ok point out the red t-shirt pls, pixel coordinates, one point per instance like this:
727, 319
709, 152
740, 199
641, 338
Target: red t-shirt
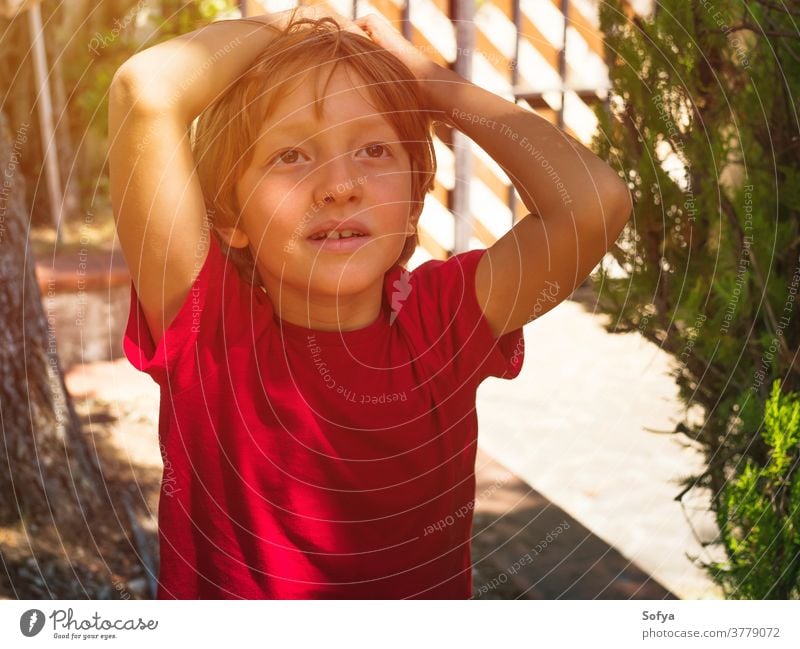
320, 464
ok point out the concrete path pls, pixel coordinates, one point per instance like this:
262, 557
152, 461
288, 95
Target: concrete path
574, 425
526, 547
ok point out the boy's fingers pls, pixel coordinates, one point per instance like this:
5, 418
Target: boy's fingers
368, 20
346, 23
317, 12
354, 27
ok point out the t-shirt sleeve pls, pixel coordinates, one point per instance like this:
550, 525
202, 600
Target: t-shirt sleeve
194, 322
457, 336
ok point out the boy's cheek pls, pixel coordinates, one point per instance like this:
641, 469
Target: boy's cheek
270, 239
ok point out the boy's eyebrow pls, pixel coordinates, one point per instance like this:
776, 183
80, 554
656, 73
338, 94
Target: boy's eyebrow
302, 126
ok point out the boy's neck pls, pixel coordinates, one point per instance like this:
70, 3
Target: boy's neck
330, 313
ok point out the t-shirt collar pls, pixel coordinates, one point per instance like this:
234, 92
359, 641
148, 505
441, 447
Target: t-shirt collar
370, 333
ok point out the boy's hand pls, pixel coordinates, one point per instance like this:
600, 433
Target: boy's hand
381, 32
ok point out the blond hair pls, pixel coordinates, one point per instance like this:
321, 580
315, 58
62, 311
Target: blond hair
227, 129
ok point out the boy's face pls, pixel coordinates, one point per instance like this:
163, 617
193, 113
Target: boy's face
347, 171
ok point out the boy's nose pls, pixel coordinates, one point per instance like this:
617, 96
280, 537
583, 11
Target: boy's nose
338, 181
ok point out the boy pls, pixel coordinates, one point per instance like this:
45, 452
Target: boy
317, 399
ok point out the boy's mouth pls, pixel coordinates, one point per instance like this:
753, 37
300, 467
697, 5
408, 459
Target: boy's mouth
335, 236
338, 230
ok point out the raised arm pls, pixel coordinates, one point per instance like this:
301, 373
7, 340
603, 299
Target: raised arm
156, 197
578, 204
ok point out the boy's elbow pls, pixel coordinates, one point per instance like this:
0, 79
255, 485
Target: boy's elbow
619, 202
125, 88
626, 204
132, 87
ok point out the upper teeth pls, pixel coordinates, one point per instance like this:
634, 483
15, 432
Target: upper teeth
340, 234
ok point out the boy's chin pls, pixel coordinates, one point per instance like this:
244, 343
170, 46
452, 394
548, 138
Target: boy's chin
345, 279
344, 284
337, 274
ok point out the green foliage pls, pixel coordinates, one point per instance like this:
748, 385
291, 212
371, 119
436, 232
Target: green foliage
759, 512
106, 38
702, 121
135, 26
176, 17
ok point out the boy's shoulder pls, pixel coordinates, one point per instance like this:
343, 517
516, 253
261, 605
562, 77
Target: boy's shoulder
436, 305
438, 272
433, 286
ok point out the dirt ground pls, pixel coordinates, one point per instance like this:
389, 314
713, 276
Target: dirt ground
106, 559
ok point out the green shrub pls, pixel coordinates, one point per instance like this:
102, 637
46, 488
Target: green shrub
702, 122
759, 512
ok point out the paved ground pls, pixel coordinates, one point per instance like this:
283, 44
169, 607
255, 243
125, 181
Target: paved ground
575, 426
526, 547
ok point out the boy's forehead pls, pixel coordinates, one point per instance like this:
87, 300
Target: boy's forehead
343, 102
306, 125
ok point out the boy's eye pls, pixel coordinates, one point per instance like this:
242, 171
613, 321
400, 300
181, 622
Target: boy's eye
376, 146
287, 156
374, 150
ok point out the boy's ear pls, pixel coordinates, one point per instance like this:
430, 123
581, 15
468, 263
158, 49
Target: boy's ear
234, 237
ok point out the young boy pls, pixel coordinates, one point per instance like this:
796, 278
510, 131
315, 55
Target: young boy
317, 420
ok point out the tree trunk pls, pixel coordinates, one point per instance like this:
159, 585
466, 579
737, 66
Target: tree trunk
46, 472
64, 148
